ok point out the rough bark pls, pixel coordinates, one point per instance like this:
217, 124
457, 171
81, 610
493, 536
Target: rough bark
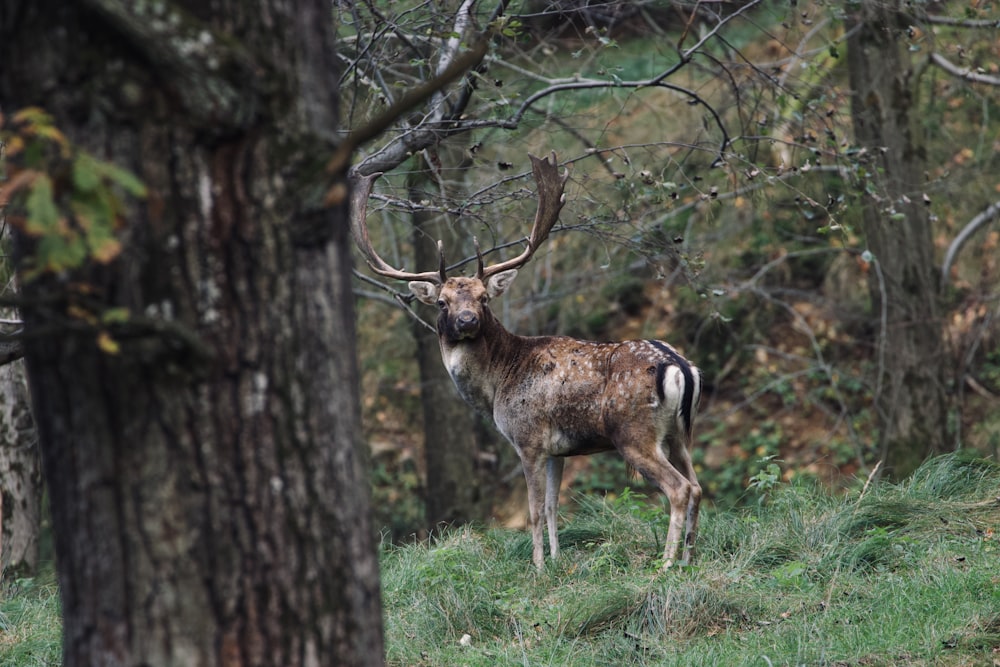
208, 496
911, 400
452, 493
20, 476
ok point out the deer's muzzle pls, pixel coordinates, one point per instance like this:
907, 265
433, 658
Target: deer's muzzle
467, 324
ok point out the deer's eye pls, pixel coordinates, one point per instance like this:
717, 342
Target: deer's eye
441, 304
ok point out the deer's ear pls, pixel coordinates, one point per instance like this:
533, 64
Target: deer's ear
499, 283
425, 292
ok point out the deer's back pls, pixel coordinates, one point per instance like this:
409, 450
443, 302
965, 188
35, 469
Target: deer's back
577, 394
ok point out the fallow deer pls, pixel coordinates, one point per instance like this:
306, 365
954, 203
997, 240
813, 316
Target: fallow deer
553, 396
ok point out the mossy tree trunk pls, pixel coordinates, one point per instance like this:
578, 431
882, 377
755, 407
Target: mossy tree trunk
911, 400
209, 498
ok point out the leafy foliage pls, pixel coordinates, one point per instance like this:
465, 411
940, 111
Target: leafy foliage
63, 198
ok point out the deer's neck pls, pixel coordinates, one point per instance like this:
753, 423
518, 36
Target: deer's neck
478, 364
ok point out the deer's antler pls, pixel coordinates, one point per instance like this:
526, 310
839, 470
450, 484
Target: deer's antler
550, 202
361, 189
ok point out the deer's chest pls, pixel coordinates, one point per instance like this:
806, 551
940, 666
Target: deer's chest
469, 377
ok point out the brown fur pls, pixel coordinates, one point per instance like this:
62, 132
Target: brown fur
553, 397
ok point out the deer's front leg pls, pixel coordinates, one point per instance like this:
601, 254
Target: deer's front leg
553, 485
534, 475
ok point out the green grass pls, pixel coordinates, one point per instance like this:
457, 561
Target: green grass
30, 623
905, 574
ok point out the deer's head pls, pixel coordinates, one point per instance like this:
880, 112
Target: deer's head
462, 302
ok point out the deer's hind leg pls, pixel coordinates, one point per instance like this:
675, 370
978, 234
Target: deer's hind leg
680, 458
640, 447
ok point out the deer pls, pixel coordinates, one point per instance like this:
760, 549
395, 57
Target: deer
553, 397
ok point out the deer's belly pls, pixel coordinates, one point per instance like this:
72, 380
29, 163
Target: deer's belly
569, 446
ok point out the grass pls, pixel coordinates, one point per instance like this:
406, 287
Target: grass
903, 574
30, 626
906, 574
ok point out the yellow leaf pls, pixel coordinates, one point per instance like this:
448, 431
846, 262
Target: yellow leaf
107, 343
79, 313
106, 250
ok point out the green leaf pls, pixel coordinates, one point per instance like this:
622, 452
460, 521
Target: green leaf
86, 174
60, 251
123, 177
43, 216
115, 316
94, 210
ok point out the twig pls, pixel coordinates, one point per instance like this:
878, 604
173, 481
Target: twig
414, 97
868, 481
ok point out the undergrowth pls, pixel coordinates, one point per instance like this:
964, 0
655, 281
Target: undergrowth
896, 575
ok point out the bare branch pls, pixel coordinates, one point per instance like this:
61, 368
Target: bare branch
413, 98
429, 132
962, 23
965, 73
393, 297
11, 348
989, 213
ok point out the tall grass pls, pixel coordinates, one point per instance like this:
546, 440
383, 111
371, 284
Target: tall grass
30, 623
904, 574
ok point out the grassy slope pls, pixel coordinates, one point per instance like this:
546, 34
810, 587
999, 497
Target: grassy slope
904, 575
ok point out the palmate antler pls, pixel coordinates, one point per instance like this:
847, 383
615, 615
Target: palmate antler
551, 198
361, 189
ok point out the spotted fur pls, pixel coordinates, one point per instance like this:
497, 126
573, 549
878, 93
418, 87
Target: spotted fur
554, 397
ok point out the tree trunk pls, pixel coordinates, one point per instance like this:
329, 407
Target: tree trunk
911, 398
207, 484
20, 476
452, 494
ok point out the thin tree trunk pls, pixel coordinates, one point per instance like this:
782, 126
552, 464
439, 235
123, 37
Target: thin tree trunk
207, 483
452, 492
20, 476
911, 399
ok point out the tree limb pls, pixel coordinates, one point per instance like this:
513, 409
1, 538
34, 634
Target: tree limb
965, 73
211, 74
962, 23
989, 213
413, 98
11, 347
418, 138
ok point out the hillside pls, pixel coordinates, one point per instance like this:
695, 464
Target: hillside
758, 269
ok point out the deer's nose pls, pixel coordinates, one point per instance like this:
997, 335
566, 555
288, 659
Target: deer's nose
467, 321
